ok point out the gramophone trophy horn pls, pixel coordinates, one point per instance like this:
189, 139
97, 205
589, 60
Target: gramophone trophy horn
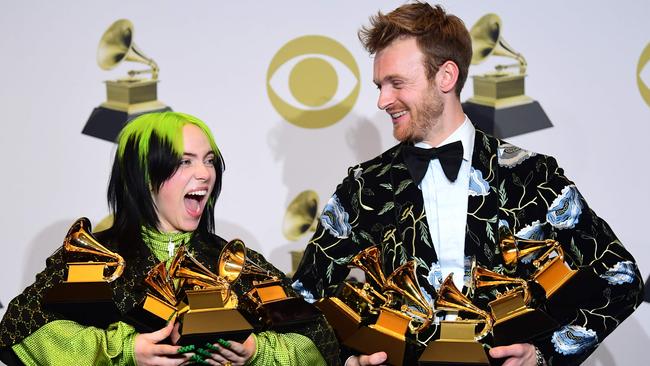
128, 96
117, 45
267, 298
513, 249
458, 342
487, 40
403, 282
499, 104
517, 320
369, 261
86, 295
301, 215
212, 307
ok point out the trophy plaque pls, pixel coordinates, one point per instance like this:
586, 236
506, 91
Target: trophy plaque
211, 312
86, 295
459, 340
499, 105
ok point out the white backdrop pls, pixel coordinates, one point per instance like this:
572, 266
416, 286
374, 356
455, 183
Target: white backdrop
582, 67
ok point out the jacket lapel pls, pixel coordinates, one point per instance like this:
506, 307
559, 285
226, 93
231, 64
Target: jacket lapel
482, 205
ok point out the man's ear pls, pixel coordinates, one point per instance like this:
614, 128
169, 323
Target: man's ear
447, 77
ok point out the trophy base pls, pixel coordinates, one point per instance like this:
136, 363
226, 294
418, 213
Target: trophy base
199, 327
368, 340
340, 316
106, 123
507, 121
287, 312
87, 303
522, 327
454, 352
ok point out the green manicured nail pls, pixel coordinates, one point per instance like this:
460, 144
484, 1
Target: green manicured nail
223, 343
203, 353
199, 359
211, 346
188, 348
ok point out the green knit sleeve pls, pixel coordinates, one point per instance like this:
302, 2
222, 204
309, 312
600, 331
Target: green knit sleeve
64, 342
287, 349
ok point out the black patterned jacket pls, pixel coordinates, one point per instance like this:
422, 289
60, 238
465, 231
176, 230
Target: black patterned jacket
378, 204
25, 314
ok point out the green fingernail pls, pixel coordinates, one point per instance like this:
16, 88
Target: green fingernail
223, 343
187, 348
211, 346
198, 359
203, 353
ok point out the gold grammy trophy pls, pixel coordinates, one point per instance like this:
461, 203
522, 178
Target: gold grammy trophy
129, 96
551, 270
355, 303
381, 315
300, 217
86, 295
515, 318
267, 298
499, 105
459, 339
211, 312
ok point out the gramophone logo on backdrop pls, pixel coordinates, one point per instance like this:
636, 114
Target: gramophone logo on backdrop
643, 74
313, 81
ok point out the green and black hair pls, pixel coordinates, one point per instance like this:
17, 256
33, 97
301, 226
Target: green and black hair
149, 151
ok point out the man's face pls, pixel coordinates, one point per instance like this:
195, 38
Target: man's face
405, 92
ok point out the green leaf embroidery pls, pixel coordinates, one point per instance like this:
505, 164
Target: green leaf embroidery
423, 233
366, 236
383, 170
400, 166
578, 254
372, 167
388, 186
489, 231
330, 269
403, 185
503, 198
387, 207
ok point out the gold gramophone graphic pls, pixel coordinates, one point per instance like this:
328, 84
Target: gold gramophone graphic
162, 299
551, 270
459, 339
211, 312
516, 320
129, 96
86, 293
300, 218
267, 298
499, 104
376, 316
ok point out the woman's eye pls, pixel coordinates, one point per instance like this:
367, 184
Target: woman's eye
185, 162
209, 161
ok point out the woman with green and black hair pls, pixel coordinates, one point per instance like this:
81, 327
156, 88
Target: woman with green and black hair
165, 180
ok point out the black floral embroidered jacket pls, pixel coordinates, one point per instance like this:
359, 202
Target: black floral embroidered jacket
378, 204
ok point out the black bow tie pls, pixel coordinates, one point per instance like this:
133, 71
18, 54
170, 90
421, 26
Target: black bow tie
417, 160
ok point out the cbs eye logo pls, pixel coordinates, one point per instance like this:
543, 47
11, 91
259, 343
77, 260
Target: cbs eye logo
313, 81
643, 74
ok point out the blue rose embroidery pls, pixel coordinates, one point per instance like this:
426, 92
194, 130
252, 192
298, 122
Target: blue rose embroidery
573, 339
335, 219
308, 296
620, 273
435, 275
477, 185
565, 209
510, 155
531, 232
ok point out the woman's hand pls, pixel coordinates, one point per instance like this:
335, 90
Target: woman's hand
231, 353
520, 354
149, 352
367, 360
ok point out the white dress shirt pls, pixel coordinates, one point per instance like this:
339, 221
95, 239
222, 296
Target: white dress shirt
445, 204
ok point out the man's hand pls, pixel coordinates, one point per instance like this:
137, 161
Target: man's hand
520, 354
367, 360
149, 352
